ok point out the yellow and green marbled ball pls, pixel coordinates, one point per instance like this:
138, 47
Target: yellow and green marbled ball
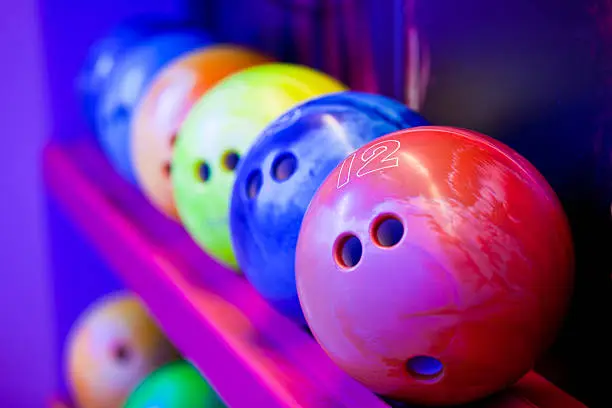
220, 128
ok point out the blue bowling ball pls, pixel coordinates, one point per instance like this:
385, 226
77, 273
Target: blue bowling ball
282, 171
104, 54
127, 85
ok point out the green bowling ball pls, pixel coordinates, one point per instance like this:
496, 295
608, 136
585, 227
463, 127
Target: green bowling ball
175, 385
218, 130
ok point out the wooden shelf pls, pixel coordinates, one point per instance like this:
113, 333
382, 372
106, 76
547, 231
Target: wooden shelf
253, 356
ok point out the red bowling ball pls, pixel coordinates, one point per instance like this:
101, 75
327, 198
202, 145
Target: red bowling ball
435, 265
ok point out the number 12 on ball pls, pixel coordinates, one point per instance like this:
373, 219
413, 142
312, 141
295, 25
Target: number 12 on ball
377, 157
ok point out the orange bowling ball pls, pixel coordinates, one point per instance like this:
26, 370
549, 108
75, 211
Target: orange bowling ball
112, 347
165, 106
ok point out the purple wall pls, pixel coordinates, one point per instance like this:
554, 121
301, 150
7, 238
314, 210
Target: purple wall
26, 329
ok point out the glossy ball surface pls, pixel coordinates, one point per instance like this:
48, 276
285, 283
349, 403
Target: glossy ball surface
164, 107
176, 385
434, 265
127, 85
283, 169
112, 347
219, 129
103, 57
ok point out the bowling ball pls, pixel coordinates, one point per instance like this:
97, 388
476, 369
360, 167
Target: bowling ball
218, 131
164, 107
281, 172
112, 347
434, 265
128, 83
176, 385
104, 55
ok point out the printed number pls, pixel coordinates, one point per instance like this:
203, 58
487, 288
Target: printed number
377, 157
387, 148
346, 167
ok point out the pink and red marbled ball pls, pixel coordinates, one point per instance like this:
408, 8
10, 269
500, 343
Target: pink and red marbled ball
435, 265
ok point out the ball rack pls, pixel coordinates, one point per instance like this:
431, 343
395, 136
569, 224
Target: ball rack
252, 355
